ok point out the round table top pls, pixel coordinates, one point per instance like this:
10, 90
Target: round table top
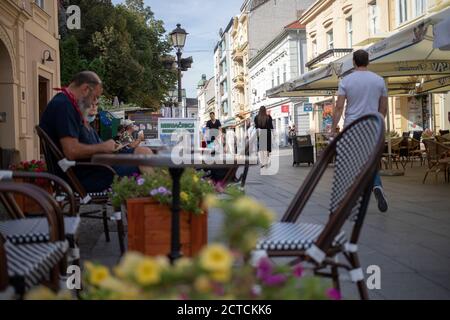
195, 160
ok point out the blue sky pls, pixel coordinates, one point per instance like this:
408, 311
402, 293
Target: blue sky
202, 19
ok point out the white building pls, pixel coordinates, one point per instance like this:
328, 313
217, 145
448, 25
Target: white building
223, 75
206, 99
281, 60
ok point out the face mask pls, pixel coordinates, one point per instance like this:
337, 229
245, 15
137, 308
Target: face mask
90, 119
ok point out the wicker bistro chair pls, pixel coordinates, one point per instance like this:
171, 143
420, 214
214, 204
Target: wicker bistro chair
436, 155
25, 230
358, 150
28, 265
57, 164
415, 152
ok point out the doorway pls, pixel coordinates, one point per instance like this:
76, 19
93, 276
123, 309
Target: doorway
43, 94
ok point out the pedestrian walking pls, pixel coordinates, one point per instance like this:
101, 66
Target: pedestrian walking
365, 93
264, 126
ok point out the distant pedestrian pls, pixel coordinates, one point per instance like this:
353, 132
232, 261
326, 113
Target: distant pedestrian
292, 134
264, 126
365, 93
213, 127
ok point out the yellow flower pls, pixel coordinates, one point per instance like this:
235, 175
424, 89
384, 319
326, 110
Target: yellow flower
210, 201
202, 284
216, 257
128, 264
184, 196
122, 290
41, 293
97, 274
148, 272
222, 276
195, 179
183, 264
163, 262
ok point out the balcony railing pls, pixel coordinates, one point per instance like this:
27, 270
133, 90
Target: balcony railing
331, 53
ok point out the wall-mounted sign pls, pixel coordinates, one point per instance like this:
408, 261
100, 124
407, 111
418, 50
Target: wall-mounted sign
285, 108
147, 122
308, 107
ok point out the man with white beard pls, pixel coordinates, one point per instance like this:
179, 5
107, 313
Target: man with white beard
65, 121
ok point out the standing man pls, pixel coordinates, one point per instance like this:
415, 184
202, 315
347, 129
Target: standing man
213, 128
365, 93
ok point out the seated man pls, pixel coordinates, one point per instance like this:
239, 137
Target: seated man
65, 121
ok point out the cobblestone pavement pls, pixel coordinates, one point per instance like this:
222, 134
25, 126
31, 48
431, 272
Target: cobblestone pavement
410, 243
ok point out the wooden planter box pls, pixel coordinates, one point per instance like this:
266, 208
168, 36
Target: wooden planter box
149, 229
28, 205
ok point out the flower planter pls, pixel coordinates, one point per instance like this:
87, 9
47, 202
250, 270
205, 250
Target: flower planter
27, 205
149, 228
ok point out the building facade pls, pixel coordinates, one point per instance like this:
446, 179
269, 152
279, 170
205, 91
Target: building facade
282, 60
335, 28
206, 95
30, 69
240, 86
223, 74
267, 19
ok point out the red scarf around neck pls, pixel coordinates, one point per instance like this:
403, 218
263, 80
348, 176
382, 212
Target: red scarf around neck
72, 100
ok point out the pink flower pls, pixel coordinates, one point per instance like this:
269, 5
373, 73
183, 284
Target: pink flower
298, 271
264, 268
275, 280
334, 294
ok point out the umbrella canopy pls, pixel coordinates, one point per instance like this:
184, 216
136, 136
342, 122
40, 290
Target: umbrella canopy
407, 59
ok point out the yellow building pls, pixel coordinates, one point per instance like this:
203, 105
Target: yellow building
29, 64
240, 55
335, 28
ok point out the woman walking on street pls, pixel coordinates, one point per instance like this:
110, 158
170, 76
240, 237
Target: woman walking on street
264, 125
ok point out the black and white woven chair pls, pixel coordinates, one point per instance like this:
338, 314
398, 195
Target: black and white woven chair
28, 265
58, 165
358, 151
22, 229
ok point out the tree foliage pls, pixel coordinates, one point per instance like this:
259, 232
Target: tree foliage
124, 44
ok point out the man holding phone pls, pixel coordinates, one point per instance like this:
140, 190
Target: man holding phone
66, 121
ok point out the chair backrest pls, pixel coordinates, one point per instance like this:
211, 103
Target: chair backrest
3, 266
435, 151
444, 132
357, 151
417, 135
52, 156
49, 206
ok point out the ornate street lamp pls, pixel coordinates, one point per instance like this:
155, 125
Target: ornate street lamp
178, 38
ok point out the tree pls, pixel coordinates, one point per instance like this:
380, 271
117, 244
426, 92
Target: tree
124, 44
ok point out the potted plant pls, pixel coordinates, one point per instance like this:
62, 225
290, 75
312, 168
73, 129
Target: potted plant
221, 271
146, 201
26, 204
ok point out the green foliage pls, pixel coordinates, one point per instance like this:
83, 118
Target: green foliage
124, 45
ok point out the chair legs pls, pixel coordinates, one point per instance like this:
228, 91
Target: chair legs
121, 235
362, 288
105, 223
335, 278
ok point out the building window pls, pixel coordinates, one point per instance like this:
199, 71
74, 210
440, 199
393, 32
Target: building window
273, 79
284, 73
314, 48
420, 7
349, 26
330, 39
278, 76
373, 18
40, 3
402, 11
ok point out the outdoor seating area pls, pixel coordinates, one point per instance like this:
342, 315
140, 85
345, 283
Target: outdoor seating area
414, 150
54, 230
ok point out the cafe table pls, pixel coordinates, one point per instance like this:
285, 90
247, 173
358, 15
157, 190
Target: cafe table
176, 165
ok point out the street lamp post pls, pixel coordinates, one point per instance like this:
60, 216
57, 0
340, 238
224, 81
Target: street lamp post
178, 37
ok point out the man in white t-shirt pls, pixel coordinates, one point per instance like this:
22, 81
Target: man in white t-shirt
365, 93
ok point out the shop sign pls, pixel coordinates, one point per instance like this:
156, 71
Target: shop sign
308, 107
285, 108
